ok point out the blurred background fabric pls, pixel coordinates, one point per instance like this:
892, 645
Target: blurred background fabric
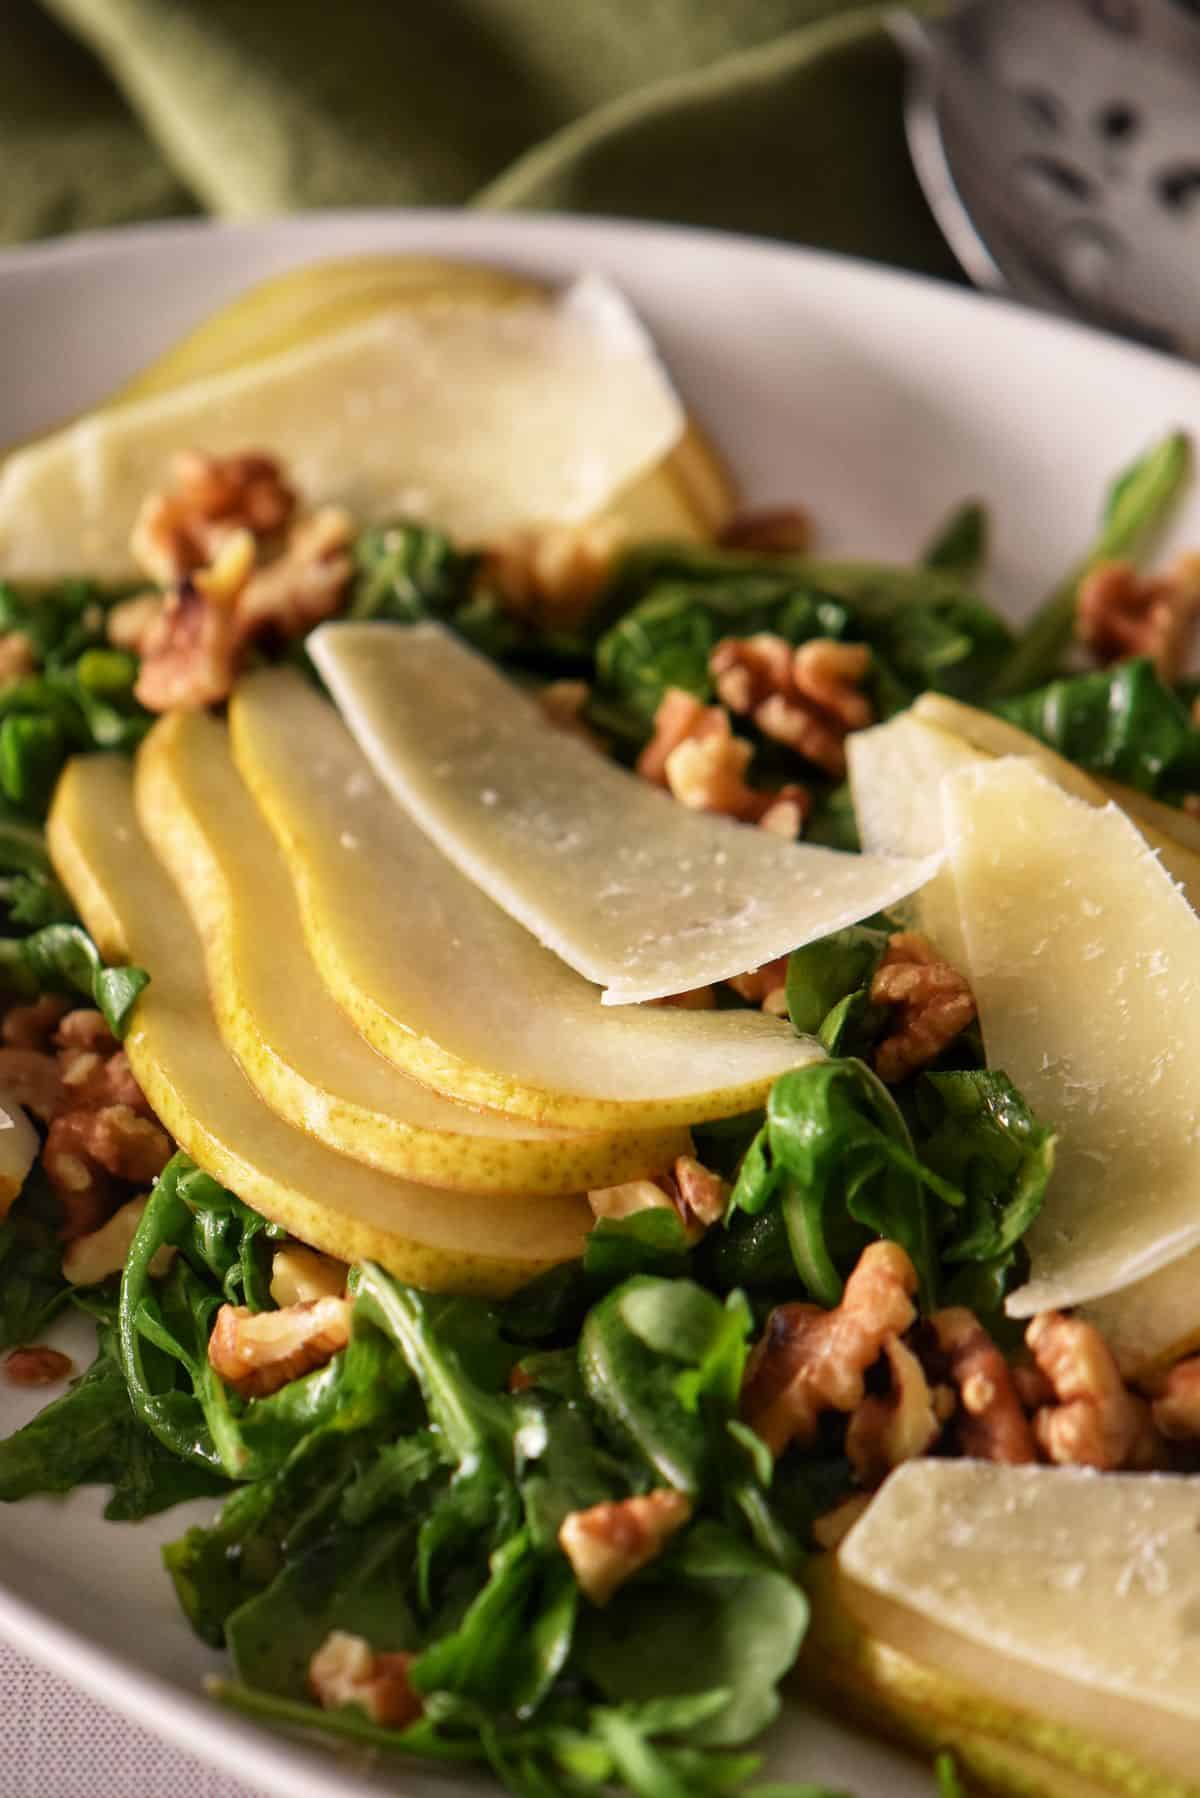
773, 116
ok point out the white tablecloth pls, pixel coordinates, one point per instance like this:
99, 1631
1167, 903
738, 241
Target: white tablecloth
56, 1742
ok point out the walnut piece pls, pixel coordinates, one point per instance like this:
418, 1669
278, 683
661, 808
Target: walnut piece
608, 1543
806, 698
992, 1425
16, 658
769, 531
130, 623
299, 1274
696, 1195
697, 998
89, 1259
695, 755
562, 703
1119, 613
933, 999
550, 576
32, 1026
832, 1529
191, 654
761, 985
257, 1352
305, 583
809, 1361
883, 1432
85, 1151
33, 1079
346, 1670
185, 528
37, 1366
1176, 1409
1096, 1421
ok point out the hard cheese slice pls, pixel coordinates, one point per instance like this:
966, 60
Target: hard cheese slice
1070, 1593
443, 982
461, 1242
476, 417
1084, 959
294, 1043
630, 888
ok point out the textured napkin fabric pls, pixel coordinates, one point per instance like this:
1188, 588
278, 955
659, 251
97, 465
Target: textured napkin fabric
773, 116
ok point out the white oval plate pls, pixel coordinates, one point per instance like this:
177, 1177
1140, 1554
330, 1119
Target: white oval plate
876, 399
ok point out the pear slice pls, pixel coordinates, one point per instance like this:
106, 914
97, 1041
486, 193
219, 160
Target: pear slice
445, 984
1084, 958
630, 888
18, 1150
295, 1045
460, 1242
689, 495
478, 418
1047, 1610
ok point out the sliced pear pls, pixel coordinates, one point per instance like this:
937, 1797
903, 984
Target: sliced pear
688, 495
476, 417
295, 1045
1046, 1614
1084, 958
428, 1237
445, 984
631, 889
1174, 835
18, 1151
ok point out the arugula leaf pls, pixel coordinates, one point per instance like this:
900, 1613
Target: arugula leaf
1136, 505
405, 571
824, 974
713, 1615
32, 1287
63, 958
959, 546
1122, 722
974, 1128
836, 1156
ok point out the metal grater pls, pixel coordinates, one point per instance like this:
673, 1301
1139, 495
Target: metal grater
1058, 143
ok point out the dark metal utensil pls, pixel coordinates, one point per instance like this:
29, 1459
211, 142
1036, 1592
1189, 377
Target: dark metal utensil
1058, 144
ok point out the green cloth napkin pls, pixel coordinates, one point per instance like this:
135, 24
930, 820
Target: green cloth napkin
774, 116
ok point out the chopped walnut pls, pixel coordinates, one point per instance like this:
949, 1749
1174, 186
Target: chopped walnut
697, 998
550, 576
562, 703
770, 531
84, 1028
185, 528
807, 698
992, 1425
679, 718
299, 1274
306, 582
696, 1195
934, 1000
1176, 1409
346, 1670
37, 1366
191, 654
16, 658
89, 1259
809, 1361
257, 1352
130, 624
32, 1026
760, 985
608, 1543
1096, 1422
832, 1529
883, 1432
85, 1151
695, 755
1119, 613
33, 1079
788, 812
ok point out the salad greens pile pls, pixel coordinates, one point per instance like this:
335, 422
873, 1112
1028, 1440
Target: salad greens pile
412, 1489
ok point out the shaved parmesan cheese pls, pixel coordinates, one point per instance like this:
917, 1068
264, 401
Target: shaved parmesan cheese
631, 889
476, 417
1069, 1593
1084, 959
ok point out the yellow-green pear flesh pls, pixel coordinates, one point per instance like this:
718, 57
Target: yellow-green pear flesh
19, 1145
426, 1236
1067, 1595
448, 986
1170, 832
296, 1046
1084, 959
634, 891
479, 419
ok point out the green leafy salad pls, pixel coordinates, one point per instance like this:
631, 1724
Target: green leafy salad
563, 1534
